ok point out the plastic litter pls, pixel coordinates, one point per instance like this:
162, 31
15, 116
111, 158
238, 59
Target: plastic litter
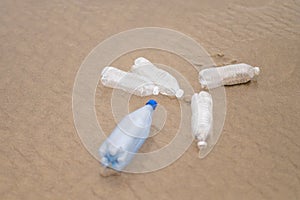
227, 75
126, 139
202, 119
129, 82
167, 84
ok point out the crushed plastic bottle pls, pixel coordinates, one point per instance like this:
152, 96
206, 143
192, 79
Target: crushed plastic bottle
202, 119
129, 82
126, 139
167, 84
227, 75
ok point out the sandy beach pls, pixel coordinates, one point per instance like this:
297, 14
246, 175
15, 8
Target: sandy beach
43, 44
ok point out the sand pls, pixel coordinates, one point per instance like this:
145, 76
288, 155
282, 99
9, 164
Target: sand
43, 44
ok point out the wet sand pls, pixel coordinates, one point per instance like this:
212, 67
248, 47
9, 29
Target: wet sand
42, 47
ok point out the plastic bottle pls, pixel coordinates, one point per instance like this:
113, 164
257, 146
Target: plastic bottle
167, 84
202, 117
126, 139
227, 75
129, 82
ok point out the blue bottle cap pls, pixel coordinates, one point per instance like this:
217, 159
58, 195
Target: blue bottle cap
152, 103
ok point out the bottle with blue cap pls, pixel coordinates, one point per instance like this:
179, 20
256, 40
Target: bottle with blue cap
127, 138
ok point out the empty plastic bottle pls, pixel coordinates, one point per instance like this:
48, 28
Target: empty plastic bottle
167, 84
126, 139
227, 75
129, 82
202, 117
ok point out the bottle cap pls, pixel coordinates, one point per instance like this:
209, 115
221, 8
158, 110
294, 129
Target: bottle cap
179, 93
256, 70
152, 103
201, 144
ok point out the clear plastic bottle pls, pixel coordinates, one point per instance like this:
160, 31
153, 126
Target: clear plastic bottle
129, 82
202, 118
167, 84
126, 139
227, 75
